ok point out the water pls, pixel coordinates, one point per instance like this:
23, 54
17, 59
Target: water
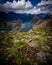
27, 27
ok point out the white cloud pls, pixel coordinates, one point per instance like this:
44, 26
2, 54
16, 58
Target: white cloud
18, 5
25, 7
45, 2
28, 4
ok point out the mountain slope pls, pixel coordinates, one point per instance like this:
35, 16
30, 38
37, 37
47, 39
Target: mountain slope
11, 25
14, 16
47, 24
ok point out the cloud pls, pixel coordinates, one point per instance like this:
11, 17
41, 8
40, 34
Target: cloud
18, 5
26, 7
45, 2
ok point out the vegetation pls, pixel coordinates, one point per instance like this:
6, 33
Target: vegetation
31, 48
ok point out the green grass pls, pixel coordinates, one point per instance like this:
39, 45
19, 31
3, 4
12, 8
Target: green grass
14, 47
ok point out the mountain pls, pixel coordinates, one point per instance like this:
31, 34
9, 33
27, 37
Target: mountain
14, 16
23, 22
43, 8
39, 18
11, 25
45, 24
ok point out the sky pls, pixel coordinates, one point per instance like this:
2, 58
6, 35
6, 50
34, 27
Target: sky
34, 2
26, 6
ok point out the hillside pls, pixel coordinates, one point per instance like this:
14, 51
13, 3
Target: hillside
27, 48
45, 24
11, 25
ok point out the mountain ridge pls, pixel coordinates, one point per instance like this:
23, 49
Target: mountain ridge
24, 17
46, 24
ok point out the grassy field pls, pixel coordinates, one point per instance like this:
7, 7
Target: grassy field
30, 48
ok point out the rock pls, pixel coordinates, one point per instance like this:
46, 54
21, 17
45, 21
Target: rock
41, 56
33, 44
